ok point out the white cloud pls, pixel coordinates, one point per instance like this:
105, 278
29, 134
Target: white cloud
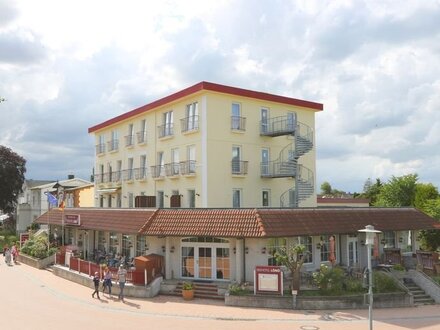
68, 65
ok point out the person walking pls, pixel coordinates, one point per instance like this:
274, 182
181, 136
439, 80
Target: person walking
14, 252
8, 256
122, 277
96, 283
107, 281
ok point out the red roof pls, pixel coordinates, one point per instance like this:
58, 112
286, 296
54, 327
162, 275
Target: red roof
204, 85
245, 222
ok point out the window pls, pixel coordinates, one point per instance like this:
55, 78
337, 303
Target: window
236, 198
119, 200
118, 171
264, 119
130, 200
109, 172
191, 156
130, 169
114, 142
325, 248
274, 246
236, 157
167, 128
265, 198
161, 163
291, 121
114, 243
307, 242
390, 239
100, 147
126, 247
129, 139
101, 200
160, 199
109, 201
264, 161
143, 167
142, 134
175, 161
141, 245
191, 198
192, 117
102, 175
236, 117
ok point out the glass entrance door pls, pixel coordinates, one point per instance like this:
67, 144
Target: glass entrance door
353, 256
203, 262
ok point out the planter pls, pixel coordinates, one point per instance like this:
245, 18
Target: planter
188, 294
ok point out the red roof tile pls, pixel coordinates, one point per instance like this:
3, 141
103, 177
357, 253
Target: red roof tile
245, 222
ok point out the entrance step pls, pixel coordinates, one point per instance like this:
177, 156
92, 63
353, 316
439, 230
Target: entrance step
202, 290
420, 296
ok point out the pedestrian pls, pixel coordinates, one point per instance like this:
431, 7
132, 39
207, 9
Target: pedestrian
107, 281
96, 283
14, 252
122, 276
8, 256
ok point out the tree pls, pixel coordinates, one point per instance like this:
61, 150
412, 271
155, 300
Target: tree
326, 188
425, 192
293, 258
398, 191
12, 170
430, 239
371, 190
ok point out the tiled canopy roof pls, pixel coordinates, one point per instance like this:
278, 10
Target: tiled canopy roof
127, 221
245, 222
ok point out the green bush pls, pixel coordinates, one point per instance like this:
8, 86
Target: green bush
329, 280
238, 290
384, 283
398, 267
37, 247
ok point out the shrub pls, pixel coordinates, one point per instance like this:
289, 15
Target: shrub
37, 247
384, 283
398, 267
329, 280
237, 290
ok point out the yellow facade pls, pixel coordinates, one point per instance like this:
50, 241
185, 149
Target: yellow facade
214, 176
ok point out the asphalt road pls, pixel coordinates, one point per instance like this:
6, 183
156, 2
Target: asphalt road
37, 299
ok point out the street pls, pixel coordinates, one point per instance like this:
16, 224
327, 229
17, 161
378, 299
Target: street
37, 299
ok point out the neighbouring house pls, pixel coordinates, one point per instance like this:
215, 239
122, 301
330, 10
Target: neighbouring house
348, 201
32, 202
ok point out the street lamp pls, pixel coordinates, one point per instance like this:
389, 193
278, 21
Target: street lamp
370, 233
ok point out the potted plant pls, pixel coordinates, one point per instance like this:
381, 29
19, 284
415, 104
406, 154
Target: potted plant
188, 290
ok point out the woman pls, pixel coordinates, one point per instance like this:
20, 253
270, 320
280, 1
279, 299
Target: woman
107, 281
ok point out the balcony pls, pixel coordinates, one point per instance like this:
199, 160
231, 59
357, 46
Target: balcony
129, 140
141, 137
128, 175
100, 148
238, 123
189, 124
278, 169
113, 145
239, 167
278, 126
188, 167
140, 173
172, 169
157, 171
166, 130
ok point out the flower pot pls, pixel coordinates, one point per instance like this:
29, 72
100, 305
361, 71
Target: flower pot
188, 294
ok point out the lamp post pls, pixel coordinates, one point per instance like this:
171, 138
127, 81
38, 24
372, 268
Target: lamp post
370, 232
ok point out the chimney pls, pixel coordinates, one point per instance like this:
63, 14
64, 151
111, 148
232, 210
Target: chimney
71, 176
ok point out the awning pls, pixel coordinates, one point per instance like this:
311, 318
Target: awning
108, 190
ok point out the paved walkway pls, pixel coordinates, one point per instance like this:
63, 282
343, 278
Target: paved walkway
37, 299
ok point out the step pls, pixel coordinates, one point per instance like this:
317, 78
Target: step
202, 290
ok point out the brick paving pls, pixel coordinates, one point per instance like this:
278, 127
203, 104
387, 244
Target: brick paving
37, 299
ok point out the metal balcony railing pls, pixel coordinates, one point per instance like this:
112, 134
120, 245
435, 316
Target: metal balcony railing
141, 137
172, 169
239, 167
140, 173
277, 126
100, 148
157, 171
113, 145
188, 167
129, 140
165, 130
238, 123
189, 124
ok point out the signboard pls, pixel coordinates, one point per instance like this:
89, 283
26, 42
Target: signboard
72, 220
268, 279
23, 238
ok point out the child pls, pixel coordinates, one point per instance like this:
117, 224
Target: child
96, 283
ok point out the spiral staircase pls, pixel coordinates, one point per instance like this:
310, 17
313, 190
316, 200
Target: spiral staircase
286, 165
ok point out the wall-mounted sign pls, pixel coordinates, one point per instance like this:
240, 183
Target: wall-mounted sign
268, 279
72, 220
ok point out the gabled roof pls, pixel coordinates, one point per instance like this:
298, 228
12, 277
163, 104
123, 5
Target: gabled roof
69, 183
244, 222
204, 85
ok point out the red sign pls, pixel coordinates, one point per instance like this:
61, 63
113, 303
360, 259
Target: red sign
23, 238
72, 220
268, 279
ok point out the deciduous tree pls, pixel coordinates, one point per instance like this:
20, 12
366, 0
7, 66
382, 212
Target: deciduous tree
12, 170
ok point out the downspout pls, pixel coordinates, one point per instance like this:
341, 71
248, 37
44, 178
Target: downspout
244, 259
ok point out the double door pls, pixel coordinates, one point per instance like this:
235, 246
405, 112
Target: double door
205, 262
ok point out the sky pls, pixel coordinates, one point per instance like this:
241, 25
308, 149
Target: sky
67, 65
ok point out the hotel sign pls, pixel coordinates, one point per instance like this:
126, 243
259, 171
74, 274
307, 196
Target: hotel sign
72, 220
268, 279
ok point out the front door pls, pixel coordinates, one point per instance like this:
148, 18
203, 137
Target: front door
205, 262
352, 248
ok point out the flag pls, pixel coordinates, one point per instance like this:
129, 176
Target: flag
51, 199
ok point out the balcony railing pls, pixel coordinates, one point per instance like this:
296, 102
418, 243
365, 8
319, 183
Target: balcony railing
188, 167
128, 175
157, 171
108, 177
100, 148
140, 173
165, 130
141, 137
189, 124
172, 169
239, 167
129, 140
278, 126
113, 145
238, 123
